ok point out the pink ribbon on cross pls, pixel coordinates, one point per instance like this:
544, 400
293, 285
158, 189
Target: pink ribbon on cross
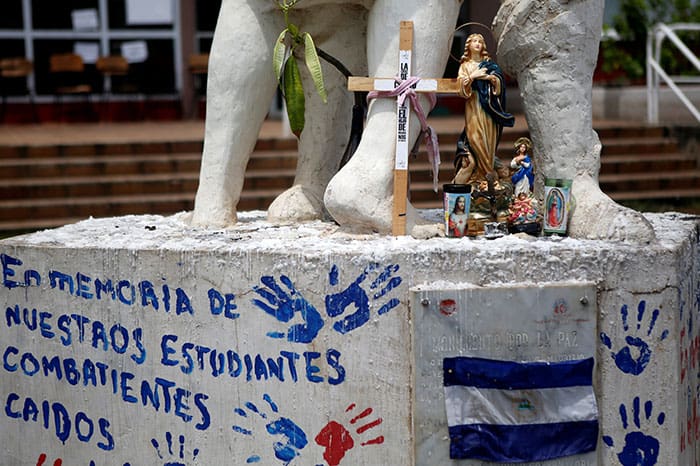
405, 89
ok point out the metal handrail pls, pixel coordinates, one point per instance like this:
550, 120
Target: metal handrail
655, 39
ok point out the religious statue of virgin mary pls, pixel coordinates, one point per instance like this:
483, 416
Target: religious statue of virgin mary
483, 88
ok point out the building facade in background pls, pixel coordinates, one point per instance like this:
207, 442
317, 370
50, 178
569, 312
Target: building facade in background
157, 37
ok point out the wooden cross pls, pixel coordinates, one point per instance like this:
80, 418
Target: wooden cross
403, 112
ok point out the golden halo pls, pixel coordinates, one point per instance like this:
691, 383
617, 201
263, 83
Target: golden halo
523, 140
462, 26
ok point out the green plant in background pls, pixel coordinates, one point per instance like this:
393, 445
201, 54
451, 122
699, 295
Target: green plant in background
286, 67
627, 53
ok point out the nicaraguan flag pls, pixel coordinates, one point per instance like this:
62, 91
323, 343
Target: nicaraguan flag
506, 411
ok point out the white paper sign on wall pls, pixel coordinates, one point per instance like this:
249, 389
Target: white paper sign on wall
149, 12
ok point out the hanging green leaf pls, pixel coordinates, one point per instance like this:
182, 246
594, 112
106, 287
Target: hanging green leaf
294, 96
278, 54
285, 64
314, 66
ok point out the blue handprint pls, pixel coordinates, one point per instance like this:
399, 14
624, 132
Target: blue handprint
180, 450
640, 449
354, 294
283, 305
295, 437
624, 359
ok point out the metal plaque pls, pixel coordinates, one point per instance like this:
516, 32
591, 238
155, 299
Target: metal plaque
535, 322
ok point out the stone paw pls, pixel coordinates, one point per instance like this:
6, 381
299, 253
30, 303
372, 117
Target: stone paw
213, 216
596, 216
297, 204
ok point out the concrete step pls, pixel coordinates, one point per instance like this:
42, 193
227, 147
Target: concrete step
639, 146
185, 162
31, 151
629, 131
51, 167
117, 185
645, 182
86, 186
688, 193
40, 150
630, 163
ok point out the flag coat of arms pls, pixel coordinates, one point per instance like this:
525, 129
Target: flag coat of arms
505, 411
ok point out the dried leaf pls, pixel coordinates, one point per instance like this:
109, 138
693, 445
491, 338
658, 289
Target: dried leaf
314, 66
278, 54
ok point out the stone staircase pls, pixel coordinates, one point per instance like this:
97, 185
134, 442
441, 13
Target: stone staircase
43, 186
647, 163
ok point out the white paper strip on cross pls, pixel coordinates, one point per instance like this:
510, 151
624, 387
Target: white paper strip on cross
448, 86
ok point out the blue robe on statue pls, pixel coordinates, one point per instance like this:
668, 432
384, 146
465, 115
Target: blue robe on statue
493, 105
525, 171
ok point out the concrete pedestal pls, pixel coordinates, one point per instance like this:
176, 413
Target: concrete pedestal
142, 340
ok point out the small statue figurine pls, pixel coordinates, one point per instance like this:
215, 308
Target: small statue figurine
524, 178
483, 88
523, 212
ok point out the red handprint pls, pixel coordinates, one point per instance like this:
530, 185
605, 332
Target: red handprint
338, 440
42, 458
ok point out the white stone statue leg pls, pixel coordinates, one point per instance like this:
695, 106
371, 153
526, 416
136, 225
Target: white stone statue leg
360, 195
240, 88
551, 47
340, 31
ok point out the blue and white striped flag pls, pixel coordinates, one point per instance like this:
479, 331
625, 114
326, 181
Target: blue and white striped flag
506, 411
